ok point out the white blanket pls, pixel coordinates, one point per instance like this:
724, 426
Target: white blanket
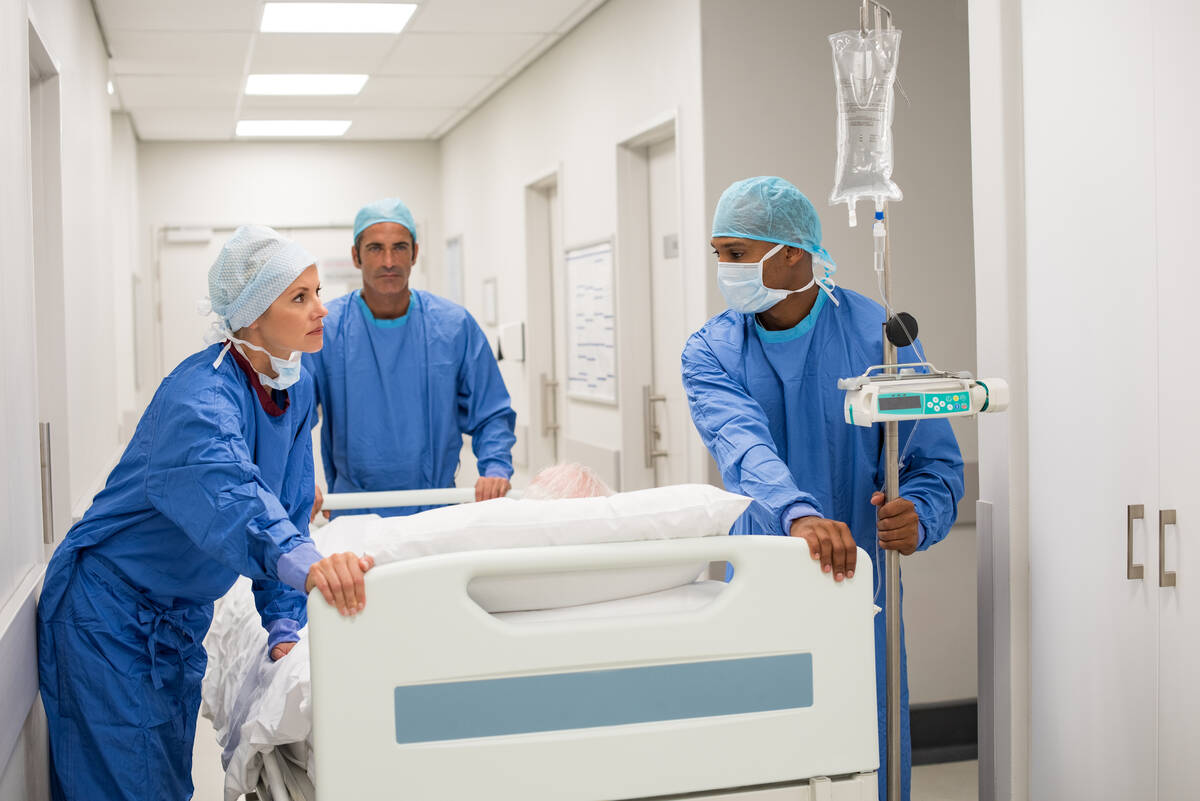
257, 705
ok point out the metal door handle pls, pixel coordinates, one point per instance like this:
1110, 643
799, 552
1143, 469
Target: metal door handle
1133, 571
650, 431
1166, 517
47, 485
549, 406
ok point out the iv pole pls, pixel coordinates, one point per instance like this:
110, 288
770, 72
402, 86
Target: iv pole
891, 440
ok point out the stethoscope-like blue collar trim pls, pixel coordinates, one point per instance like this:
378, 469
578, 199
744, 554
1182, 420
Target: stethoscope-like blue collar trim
395, 323
795, 332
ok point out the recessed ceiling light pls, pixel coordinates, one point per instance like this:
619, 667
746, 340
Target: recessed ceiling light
292, 127
110, 88
305, 84
336, 17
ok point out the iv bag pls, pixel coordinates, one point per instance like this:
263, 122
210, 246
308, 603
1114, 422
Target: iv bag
865, 71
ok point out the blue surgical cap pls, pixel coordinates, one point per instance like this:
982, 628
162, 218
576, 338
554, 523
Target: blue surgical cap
387, 210
769, 209
252, 270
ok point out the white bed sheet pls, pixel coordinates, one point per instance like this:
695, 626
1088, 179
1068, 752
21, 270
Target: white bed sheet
257, 705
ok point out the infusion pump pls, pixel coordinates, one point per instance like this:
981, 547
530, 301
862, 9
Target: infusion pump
908, 395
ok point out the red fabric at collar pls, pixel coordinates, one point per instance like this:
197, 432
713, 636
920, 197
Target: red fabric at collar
264, 393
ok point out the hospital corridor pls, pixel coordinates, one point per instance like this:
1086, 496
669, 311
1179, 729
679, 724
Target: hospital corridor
599, 400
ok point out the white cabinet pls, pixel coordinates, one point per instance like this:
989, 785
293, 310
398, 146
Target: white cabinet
1113, 331
1178, 209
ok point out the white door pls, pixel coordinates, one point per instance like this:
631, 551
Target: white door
1093, 444
670, 421
182, 281
1177, 126
539, 422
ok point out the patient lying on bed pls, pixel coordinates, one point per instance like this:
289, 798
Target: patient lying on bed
257, 704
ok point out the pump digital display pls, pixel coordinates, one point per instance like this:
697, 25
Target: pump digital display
892, 403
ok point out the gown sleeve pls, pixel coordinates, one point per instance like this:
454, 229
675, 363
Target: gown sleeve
202, 478
734, 428
484, 408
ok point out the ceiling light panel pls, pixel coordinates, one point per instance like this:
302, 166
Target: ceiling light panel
277, 128
301, 84
336, 17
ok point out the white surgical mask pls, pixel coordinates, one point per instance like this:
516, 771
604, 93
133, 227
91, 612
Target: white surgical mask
287, 370
744, 291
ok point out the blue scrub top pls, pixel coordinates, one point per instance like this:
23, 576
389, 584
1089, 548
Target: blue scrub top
211, 486
396, 397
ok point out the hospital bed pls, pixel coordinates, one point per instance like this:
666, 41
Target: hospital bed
762, 688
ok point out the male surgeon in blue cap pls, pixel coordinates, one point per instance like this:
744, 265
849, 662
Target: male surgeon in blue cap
403, 375
761, 381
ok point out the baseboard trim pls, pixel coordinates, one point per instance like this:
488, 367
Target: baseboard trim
944, 732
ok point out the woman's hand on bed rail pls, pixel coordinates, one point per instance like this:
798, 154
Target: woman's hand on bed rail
281, 650
340, 580
318, 502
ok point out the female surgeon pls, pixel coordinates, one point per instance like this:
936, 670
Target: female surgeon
216, 482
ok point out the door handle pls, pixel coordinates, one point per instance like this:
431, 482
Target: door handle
47, 485
650, 430
549, 407
1166, 517
1133, 571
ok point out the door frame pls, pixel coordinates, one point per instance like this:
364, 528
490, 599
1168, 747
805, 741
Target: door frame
635, 368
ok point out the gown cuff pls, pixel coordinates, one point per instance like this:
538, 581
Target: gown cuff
795, 512
497, 471
282, 629
293, 566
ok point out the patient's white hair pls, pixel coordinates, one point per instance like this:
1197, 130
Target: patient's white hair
566, 481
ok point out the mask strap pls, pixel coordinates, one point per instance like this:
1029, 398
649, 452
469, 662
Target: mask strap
221, 355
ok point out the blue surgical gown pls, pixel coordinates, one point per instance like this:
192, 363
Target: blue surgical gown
212, 485
767, 405
396, 397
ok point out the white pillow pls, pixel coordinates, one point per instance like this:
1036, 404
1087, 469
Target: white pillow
685, 510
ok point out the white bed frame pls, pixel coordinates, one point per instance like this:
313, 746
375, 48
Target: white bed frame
422, 643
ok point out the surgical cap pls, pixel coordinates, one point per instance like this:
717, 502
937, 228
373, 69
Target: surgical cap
252, 270
769, 209
387, 210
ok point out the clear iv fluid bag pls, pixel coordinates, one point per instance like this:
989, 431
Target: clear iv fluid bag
865, 73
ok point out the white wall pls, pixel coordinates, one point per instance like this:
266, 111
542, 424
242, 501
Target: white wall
998, 171
94, 361
284, 185
127, 265
769, 110
612, 77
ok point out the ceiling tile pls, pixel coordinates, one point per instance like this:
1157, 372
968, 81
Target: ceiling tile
391, 124
458, 54
320, 53
422, 91
179, 15
158, 53
181, 125
178, 91
511, 16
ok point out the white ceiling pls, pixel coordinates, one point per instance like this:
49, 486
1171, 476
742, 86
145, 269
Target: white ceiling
179, 67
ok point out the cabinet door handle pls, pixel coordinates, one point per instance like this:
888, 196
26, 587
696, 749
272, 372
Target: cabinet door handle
1166, 517
1133, 571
